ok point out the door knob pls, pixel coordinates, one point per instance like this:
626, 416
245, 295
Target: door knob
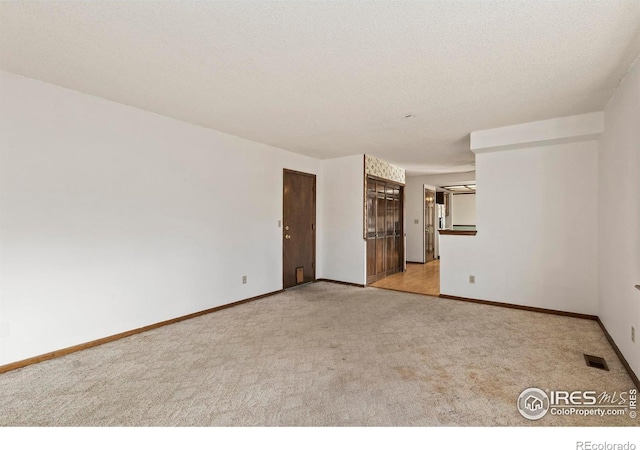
286, 236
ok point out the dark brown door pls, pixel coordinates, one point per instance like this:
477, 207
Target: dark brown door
385, 243
298, 228
429, 225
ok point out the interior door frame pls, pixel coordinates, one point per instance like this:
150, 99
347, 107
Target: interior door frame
315, 223
433, 218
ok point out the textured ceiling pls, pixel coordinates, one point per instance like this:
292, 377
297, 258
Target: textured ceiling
327, 79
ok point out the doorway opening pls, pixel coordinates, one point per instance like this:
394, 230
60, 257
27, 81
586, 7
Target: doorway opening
418, 279
429, 225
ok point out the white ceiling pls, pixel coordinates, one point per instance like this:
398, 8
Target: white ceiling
328, 79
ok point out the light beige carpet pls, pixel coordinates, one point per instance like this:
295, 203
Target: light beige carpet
323, 354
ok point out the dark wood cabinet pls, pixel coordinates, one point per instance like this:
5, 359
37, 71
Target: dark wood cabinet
384, 229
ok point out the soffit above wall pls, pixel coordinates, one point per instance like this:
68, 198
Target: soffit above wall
560, 130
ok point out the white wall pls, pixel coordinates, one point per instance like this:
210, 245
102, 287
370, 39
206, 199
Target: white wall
619, 218
463, 209
414, 208
342, 243
112, 218
443, 179
537, 227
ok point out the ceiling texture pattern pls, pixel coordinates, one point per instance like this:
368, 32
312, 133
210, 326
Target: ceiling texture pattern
329, 79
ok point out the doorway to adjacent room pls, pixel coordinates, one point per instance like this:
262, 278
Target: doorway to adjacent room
418, 279
429, 225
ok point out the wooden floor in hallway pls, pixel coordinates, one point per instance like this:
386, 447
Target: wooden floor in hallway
418, 279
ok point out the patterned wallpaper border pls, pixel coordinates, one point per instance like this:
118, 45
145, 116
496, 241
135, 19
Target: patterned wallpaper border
382, 169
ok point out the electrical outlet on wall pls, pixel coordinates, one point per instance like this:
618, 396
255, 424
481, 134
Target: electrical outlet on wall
416, 221
472, 279
244, 279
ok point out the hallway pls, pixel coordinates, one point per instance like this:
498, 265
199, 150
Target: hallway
418, 279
